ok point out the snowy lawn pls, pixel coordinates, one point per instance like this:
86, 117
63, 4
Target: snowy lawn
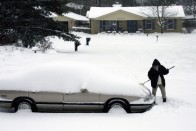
125, 55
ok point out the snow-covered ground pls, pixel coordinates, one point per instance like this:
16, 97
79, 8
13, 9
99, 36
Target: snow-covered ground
125, 55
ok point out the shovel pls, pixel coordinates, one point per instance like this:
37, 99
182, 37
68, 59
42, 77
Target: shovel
149, 80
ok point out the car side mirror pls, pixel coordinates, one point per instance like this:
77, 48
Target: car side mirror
83, 90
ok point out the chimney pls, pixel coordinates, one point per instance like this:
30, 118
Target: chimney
117, 4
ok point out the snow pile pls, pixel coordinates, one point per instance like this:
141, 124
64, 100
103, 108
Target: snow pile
70, 77
59, 45
36, 49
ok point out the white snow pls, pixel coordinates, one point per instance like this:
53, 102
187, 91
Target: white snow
2, 99
84, 28
71, 15
189, 17
144, 11
125, 55
74, 6
62, 46
35, 49
71, 77
75, 16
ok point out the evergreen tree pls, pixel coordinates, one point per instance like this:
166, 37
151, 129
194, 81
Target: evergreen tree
29, 21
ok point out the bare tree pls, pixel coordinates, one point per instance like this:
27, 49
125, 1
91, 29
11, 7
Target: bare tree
190, 10
160, 10
190, 7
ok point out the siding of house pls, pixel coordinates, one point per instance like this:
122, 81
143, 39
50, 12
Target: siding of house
179, 25
140, 24
123, 25
95, 26
71, 22
120, 15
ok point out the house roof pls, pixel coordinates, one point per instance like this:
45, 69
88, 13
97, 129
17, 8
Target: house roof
143, 11
72, 16
190, 17
75, 16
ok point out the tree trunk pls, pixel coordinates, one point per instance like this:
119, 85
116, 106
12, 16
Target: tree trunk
162, 30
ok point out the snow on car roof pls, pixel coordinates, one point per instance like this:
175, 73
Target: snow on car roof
70, 77
144, 11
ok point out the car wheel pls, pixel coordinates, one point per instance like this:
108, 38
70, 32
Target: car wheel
23, 105
117, 109
117, 103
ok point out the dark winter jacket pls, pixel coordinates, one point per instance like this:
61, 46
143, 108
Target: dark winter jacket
154, 74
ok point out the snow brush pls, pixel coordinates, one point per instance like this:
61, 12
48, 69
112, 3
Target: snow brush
149, 79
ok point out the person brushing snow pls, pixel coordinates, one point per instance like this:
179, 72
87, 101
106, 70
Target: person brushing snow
155, 74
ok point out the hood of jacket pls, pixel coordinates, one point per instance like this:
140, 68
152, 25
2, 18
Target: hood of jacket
156, 62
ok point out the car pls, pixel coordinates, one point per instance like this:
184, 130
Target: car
72, 87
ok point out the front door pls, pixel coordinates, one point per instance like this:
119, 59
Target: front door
132, 26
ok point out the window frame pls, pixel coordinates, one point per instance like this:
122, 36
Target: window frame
150, 22
107, 25
169, 23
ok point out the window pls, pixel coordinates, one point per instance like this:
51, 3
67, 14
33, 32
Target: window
104, 25
148, 24
169, 25
108, 25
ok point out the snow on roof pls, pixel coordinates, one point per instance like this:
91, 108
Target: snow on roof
71, 15
75, 16
52, 14
95, 12
190, 17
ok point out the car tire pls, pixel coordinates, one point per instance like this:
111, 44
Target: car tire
123, 104
24, 104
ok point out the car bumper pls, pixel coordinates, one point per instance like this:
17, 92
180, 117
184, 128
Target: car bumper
142, 105
140, 108
5, 104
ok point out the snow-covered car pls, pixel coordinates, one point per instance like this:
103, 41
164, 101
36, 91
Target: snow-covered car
72, 87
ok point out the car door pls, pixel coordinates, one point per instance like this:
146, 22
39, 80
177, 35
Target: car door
48, 101
81, 102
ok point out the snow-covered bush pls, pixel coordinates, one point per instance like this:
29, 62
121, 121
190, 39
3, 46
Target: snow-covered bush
190, 25
43, 45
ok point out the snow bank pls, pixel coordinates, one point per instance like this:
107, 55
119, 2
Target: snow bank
59, 45
70, 77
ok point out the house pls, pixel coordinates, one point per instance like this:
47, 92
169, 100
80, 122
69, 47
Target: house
73, 19
133, 19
